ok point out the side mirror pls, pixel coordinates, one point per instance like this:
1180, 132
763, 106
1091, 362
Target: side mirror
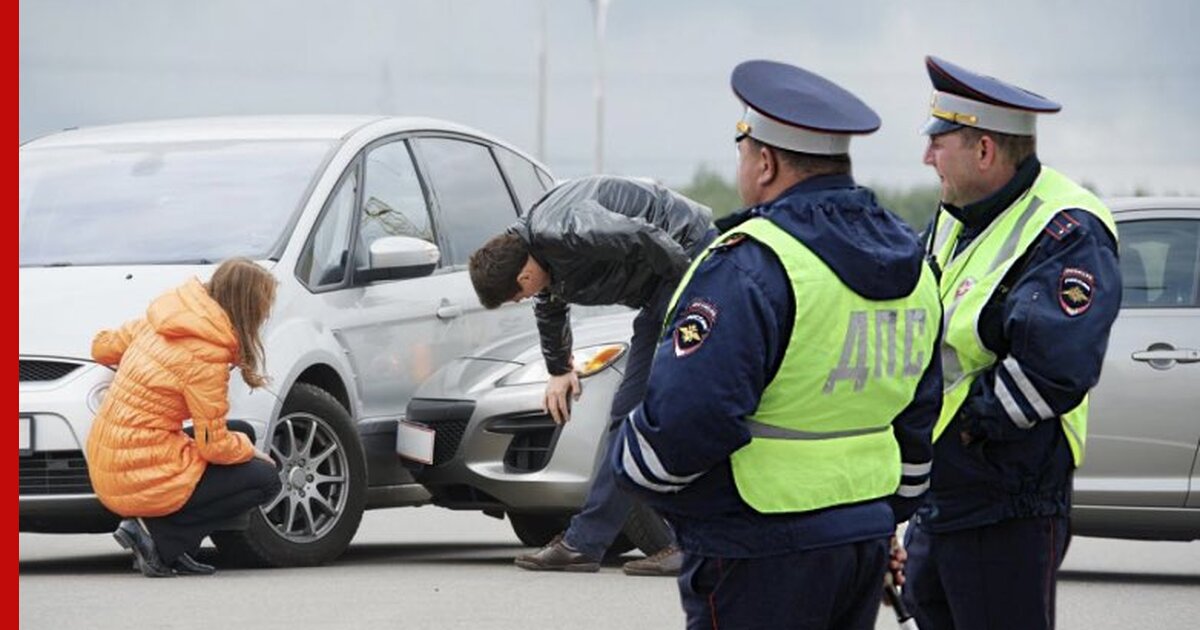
399, 257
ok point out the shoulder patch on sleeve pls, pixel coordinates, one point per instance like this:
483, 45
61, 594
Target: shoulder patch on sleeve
1061, 225
732, 241
694, 327
1076, 288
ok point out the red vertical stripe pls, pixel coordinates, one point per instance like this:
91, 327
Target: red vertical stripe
1049, 592
712, 597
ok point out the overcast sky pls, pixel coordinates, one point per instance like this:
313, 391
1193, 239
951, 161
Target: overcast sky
1127, 73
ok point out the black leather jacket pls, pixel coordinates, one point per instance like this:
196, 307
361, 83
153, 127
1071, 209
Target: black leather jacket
606, 240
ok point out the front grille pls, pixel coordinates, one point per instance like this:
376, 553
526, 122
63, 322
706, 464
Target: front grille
534, 437
449, 418
530, 451
32, 370
58, 472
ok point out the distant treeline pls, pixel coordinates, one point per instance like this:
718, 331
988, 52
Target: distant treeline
914, 205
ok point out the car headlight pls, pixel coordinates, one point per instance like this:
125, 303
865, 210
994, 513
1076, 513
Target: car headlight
96, 397
588, 361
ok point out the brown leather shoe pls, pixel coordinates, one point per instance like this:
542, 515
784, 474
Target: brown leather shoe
666, 562
556, 556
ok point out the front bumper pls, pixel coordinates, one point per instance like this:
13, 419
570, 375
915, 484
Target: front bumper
55, 492
500, 451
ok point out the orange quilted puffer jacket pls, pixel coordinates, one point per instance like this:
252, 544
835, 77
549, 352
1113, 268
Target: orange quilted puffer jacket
173, 365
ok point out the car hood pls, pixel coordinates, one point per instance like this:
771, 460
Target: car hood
62, 308
587, 331
467, 377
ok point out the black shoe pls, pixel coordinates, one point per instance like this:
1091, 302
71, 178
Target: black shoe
187, 565
132, 535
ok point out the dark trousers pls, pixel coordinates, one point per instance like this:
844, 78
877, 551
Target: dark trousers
835, 588
222, 493
995, 577
607, 507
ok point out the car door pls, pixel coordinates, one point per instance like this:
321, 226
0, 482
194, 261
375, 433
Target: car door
473, 202
1144, 424
395, 332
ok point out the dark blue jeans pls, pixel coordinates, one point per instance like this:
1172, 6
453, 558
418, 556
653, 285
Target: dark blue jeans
607, 507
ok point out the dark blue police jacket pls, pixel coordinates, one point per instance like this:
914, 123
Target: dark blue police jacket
1004, 471
693, 415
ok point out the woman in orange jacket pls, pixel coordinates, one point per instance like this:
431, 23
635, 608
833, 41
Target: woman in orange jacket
172, 365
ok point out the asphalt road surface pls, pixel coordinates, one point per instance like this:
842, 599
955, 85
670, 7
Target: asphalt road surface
432, 568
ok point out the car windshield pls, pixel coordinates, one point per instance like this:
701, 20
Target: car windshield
185, 202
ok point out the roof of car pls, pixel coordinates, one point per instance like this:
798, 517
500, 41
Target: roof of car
284, 127
1122, 204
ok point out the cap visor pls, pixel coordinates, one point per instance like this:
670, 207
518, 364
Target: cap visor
937, 127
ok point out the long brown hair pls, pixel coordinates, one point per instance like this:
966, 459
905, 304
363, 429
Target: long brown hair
246, 292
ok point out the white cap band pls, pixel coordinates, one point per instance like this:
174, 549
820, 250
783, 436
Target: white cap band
770, 131
970, 113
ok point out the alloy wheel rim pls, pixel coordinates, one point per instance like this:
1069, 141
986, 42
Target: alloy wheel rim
314, 472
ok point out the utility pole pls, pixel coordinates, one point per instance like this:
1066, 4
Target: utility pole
600, 10
541, 106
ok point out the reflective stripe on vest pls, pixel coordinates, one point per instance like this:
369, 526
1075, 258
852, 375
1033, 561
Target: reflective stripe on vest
821, 434
971, 277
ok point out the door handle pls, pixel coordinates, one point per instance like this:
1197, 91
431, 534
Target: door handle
1164, 355
449, 311
1182, 355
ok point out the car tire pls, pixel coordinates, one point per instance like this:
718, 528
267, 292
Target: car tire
647, 530
324, 474
620, 546
537, 530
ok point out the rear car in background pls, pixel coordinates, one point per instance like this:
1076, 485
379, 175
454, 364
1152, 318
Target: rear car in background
1141, 476
367, 223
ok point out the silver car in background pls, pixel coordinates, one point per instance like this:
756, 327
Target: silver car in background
1141, 476
498, 452
367, 223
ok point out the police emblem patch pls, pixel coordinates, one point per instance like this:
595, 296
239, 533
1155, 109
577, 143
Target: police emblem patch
964, 287
693, 327
1075, 290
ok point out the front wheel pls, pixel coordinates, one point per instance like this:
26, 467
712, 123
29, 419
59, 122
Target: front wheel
537, 530
324, 474
647, 530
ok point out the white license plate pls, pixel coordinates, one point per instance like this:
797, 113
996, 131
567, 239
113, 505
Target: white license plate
25, 439
415, 442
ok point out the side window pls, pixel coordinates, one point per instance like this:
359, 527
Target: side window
323, 262
523, 176
473, 202
547, 181
393, 202
1160, 263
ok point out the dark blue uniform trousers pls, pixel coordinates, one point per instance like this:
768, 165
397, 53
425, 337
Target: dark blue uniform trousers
834, 588
996, 577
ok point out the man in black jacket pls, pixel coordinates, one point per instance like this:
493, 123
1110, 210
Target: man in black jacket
595, 241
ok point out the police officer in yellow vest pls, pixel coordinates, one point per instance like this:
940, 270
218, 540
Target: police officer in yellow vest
787, 424
1030, 287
